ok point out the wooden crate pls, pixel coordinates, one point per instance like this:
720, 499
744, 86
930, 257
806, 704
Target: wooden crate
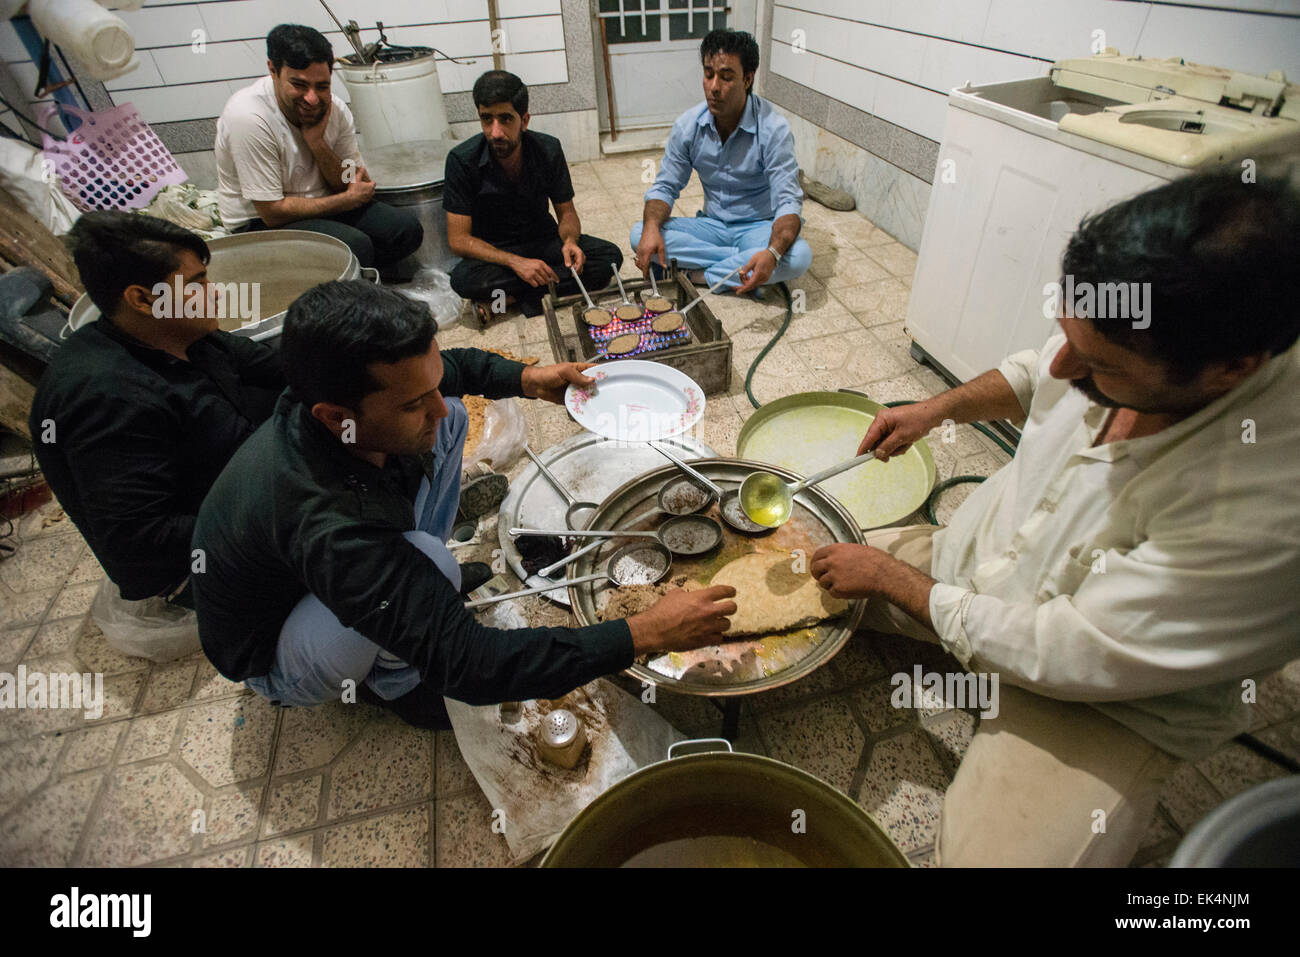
706, 358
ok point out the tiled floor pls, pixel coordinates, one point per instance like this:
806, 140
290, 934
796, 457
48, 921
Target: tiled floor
187, 769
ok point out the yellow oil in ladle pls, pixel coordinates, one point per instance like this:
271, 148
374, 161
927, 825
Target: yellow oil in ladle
769, 501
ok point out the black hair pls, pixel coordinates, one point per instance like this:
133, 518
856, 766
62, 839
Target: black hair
114, 250
334, 331
1221, 257
298, 46
498, 86
738, 42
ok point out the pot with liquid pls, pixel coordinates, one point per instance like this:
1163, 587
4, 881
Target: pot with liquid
722, 809
261, 273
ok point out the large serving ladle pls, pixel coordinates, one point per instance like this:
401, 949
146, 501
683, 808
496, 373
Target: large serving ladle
573, 515
768, 500
606, 316
660, 568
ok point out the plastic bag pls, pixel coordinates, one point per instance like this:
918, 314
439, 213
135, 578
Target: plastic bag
505, 433
537, 799
149, 628
26, 176
433, 286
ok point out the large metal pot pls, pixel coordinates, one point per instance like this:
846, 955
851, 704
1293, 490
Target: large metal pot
410, 175
283, 263
722, 809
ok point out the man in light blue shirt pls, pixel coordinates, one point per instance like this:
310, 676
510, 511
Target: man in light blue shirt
744, 153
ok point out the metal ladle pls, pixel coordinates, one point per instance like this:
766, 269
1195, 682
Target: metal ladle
715, 492
660, 571
768, 500
627, 302
585, 549
712, 289
662, 535
575, 506
591, 306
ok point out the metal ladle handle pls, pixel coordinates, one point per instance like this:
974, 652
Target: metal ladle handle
712, 289
716, 490
533, 591
833, 470
582, 288
550, 477
583, 533
587, 549
621, 291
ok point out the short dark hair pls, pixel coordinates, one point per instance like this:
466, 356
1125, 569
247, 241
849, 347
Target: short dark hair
334, 331
1221, 256
298, 46
738, 42
114, 250
498, 86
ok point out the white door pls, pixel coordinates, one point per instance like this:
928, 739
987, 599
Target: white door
654, 57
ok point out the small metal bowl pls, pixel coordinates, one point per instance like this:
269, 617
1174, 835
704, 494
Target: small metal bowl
643, 549
707, 534
732, 513
627, 313
597, 317
675, 490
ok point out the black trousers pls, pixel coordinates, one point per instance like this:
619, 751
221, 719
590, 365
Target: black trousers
377, 234
479, 280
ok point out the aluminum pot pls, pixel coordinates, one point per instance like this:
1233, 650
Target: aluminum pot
722, 809
283, 263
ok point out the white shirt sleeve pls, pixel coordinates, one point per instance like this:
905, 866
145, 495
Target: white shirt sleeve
1021, 370
675, 167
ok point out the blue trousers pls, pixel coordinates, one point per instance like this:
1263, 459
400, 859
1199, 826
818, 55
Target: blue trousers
716, 247
315, 653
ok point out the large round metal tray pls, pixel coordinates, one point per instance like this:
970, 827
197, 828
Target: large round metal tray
811, 431
590, 467
749, 665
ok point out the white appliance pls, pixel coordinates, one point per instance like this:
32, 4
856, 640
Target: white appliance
396, 102
1022, 162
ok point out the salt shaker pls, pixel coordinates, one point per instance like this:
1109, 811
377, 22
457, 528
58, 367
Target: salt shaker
561, 738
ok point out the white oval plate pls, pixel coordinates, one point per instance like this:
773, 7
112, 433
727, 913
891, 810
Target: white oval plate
636, 401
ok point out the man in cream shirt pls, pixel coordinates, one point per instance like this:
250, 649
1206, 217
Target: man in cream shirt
287, 157
1131, 576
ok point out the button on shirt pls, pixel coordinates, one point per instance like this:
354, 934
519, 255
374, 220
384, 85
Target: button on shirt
1148, 577
752, 176
508, 212
262, 156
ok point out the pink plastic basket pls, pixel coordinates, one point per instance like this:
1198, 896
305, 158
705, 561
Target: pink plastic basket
112, 161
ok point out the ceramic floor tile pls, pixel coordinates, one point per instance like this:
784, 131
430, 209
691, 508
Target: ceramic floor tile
1285, 737
27, 765
895, 257
230, 740
465, 838
1158, 832
96, 654
857, 661
41, 562
898, 388
876, 302
876, 705
293, 851
687, 713
91, 748
389, 765
86, 570
121, 693
232, 815
1188, 797
292, 806
17, 610
1233, 769
952, 499
150, 736
49, 519
923, 858
400, 839
821, 738
209, 684
44, 831
73, 600
169, 685
819, 681
952, 733
147, 815
453, 774
231, 857
57, 638
903, 790
850, 360
1279, 694
313, 737
14, 644
781, 373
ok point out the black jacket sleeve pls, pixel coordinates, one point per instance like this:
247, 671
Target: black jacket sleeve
475, 372
257, 363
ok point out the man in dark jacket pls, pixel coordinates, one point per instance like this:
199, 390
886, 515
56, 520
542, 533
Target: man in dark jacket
326, 575
141, 409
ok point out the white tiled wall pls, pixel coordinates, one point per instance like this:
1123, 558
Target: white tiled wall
897, 59
175, 82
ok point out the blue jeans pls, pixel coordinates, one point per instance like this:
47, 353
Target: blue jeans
315, 654
718, 247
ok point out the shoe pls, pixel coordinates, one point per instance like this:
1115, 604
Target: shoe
472, 575
422, 707
836, 199
481, 495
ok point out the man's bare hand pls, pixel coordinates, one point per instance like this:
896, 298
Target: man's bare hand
848, 571
535, 272
574, 257
756, 272
359, 192
651, 248
682, 620
550, 382
893, 431
315, 134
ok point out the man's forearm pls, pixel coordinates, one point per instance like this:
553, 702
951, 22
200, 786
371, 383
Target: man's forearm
785, 230
656, 213
570, 227
471, 247
292, 208
987, 396
908, 588
330, 166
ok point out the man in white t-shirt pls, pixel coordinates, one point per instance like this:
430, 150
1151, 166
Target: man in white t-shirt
287, 157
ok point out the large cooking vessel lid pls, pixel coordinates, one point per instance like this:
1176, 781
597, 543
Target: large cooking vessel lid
408, 165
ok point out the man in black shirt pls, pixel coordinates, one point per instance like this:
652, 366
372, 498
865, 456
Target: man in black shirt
141, 409
496, 190
326, 573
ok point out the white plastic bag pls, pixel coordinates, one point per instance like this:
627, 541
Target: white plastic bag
149, 628
505, 433
433, 286
28, 179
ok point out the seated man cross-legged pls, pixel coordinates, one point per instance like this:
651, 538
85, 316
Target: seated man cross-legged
496, 195
744, 153
324, 537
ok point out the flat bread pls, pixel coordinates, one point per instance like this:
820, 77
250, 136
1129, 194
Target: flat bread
771, 596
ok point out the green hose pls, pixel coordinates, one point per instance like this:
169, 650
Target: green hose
932, 500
